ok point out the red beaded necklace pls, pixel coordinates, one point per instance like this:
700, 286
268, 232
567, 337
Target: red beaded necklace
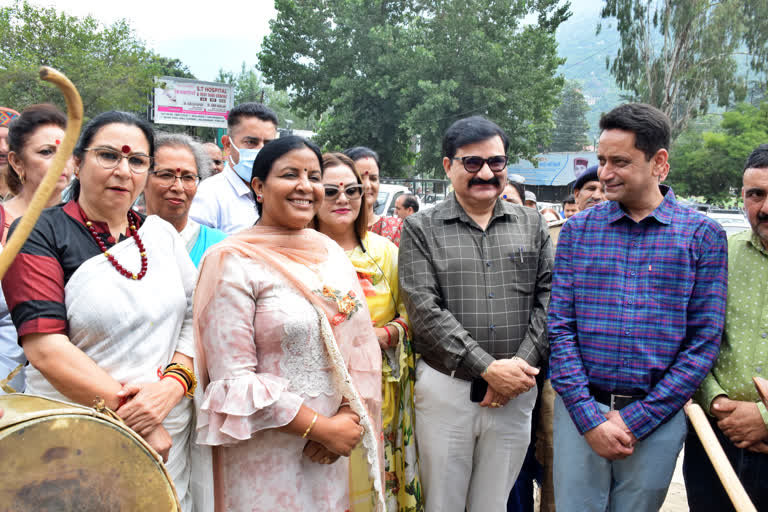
132, 218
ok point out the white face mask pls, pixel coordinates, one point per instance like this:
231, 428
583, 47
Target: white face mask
244, 166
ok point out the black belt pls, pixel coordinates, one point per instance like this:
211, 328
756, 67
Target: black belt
615, 401
459, 373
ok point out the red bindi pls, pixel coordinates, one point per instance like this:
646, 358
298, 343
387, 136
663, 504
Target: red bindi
126, 149
341, 184
58, 142
178, 170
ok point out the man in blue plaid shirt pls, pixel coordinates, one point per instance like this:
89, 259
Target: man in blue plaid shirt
637, 311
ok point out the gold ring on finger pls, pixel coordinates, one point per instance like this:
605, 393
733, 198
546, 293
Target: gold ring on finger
495, 404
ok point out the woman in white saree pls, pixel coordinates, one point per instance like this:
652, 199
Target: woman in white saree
102, 297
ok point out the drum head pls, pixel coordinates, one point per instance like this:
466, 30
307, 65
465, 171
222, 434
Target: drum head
61, 457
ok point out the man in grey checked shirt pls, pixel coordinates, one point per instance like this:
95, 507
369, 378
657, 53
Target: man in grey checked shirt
476, 273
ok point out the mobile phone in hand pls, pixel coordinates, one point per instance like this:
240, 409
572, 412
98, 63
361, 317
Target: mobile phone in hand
478, 389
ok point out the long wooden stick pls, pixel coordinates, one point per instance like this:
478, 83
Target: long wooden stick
47, 186
762, 388
725, 472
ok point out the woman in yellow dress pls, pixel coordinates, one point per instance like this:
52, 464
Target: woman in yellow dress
342, 217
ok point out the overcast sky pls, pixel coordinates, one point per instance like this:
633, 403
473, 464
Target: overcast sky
205, 36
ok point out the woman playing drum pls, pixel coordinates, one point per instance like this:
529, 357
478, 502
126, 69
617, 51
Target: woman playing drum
101, 297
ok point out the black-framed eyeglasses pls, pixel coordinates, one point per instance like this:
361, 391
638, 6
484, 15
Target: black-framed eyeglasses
166, 178
110, 158
474, 163
351, 191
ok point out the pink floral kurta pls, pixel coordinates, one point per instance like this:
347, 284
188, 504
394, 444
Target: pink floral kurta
266, 358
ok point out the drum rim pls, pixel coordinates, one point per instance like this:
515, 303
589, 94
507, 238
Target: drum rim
72, 409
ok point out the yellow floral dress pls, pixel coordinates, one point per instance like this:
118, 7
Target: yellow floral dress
377, 271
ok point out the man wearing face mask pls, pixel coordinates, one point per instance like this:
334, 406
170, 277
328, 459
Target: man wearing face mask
225, 201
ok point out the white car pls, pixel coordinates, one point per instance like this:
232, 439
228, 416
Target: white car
733, 223
388, 194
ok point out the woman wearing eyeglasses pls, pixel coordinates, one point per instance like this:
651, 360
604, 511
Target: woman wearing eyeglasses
367, 163
102, 297
343, 217
171, 187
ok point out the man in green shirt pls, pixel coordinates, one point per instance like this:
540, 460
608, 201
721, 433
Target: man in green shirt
738, 416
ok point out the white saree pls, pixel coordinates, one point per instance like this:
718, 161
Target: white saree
131, 328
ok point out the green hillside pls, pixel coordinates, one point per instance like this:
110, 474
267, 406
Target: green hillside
586, 54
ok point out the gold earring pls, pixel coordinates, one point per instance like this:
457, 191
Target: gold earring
22, 178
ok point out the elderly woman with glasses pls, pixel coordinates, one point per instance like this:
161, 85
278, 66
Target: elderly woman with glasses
172, 186
102, 297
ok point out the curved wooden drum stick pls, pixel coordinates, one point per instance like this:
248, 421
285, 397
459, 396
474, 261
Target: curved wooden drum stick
725, 472
44, 191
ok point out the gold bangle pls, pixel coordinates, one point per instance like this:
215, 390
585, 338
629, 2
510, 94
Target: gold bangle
188, 374
309, 428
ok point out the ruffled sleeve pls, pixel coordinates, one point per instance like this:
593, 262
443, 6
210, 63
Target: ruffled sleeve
240, 398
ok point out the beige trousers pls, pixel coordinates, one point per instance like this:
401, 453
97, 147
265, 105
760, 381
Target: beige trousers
469, 455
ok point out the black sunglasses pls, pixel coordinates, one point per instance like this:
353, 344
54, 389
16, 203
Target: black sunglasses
474, 163
351, 191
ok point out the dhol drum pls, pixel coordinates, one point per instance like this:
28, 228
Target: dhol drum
57, 456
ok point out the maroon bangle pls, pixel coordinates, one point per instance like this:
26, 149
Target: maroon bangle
402, 324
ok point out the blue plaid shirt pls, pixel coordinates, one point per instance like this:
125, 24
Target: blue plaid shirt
637, 308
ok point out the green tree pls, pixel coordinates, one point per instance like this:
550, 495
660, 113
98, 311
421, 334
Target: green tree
710, 163
571, 124
249, 85
166, 66
109, 65
394, 74
680, 56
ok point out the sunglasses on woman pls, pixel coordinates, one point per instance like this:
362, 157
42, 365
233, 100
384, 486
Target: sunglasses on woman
351, 191
474, 163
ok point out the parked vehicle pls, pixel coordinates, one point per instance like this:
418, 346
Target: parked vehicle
733, 221
388, 194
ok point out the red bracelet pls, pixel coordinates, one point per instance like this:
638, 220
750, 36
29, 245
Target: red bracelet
177, 379
402, 324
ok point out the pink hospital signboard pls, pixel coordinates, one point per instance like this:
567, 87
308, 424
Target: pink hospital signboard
191, 102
